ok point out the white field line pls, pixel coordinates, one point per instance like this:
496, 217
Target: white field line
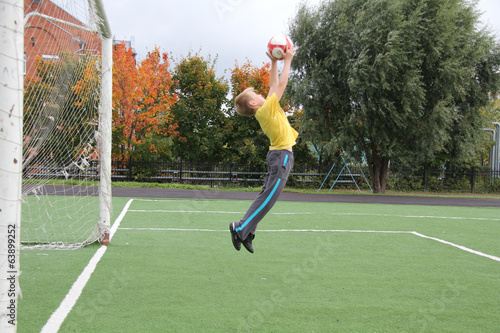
278, 230
422, 216
202, 212
353, 214
57, 318
463, 248
191, 200
308, 213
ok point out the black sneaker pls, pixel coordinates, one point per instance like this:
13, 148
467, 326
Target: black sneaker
247, 243
234, 237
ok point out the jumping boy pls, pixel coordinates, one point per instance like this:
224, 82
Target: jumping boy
274, 123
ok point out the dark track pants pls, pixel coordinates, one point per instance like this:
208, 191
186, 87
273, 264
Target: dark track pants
279, 165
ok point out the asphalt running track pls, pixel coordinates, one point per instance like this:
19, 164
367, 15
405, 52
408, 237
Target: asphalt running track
165, 193
300, 197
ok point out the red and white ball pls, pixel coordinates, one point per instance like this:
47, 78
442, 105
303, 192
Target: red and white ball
277, 46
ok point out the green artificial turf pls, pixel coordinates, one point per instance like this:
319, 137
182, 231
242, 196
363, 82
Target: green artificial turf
171, 267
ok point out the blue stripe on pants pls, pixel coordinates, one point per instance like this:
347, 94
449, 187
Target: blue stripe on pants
261, 206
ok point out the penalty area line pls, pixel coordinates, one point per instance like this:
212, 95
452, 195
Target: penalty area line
57, 318
272, 230
204, 212
463, 248
460, 247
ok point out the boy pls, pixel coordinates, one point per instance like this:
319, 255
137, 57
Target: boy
274, 123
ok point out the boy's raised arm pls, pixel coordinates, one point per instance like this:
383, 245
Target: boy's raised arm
273, 79
280, 87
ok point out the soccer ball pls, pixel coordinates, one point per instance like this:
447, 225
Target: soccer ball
277, 46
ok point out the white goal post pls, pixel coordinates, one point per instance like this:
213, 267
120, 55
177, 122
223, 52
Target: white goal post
55, 132
11, 111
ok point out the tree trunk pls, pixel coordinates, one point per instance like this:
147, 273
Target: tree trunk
379, 167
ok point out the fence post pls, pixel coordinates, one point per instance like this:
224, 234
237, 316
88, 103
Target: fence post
473, 180
175, 173
211, 174
180, 172
233, 175
426, 174
130, 178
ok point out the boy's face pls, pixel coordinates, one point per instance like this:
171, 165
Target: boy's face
256, 100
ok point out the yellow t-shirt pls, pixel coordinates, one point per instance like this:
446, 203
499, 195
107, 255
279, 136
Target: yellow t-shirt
274, 123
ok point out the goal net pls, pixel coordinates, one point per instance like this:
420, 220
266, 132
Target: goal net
66, 166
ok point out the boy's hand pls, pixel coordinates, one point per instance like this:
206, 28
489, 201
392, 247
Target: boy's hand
270, 56
290, 53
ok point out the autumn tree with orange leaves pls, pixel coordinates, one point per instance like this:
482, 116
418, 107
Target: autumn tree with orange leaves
143, 126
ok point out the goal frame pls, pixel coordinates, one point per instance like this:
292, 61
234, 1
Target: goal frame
11, 146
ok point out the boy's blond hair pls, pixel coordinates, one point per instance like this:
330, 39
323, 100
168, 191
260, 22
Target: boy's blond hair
242, 103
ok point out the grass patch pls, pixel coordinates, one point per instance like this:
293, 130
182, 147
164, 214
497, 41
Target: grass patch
171, 267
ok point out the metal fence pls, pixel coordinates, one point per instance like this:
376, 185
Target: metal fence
474, 180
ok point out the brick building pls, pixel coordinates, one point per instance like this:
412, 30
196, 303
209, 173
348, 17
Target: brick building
50, 30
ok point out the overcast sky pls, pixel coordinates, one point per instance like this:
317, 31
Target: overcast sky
229, 29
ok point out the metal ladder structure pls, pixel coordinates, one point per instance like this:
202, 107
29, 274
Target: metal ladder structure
341, 173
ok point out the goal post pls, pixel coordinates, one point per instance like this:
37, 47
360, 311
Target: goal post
11, 113
55, 132
105, 125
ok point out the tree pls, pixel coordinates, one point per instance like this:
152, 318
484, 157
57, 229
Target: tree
154, 119
394, 79
125, 95
198, 110
142, 104
492, 113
